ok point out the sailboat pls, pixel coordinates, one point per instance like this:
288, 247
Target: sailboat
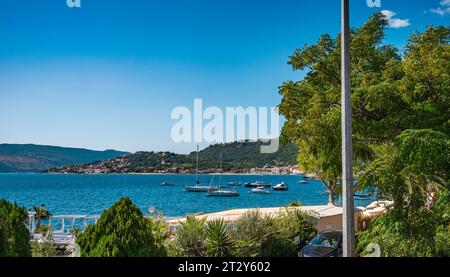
198, 187
222, 192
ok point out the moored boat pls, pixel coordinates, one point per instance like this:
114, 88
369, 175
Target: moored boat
258, 184
234, 184
167, 184
198, 188
223, 193
260, 190
281, 186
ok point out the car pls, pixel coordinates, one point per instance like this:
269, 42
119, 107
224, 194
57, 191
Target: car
326, 244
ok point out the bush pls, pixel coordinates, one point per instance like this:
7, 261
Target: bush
190, 238
252, 235
43, 249
293, 223
218, 240
423, 233
14, 235
123, 231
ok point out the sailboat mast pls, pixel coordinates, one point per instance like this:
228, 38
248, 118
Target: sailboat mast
220, 172
196, 169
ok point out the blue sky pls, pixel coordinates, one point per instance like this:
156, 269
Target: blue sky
108, 74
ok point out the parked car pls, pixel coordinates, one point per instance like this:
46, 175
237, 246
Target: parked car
326, 244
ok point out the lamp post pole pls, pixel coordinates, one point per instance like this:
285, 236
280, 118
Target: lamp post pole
348, 218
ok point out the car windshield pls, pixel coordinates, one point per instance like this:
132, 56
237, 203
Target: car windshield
326, 240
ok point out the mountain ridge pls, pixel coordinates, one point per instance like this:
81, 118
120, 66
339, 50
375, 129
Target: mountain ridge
238, 157
17, 158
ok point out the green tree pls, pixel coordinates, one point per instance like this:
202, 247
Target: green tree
312, 106
14, 234
123, 231
40, 212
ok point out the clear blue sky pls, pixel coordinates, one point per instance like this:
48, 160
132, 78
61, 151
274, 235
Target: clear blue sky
108, 75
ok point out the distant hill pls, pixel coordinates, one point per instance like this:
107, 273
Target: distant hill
35, 158
237, 157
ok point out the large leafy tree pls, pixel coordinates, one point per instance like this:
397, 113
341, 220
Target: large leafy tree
123, 231
14, 234
312, 106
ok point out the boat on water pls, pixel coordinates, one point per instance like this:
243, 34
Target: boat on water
198, 187
223, 193
167, 184
234, 184
303, 181
258, 184
281, 186
260, 190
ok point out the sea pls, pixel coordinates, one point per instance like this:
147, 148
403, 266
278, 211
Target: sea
72, 194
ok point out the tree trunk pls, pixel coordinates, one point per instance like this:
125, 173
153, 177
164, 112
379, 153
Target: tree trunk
330, 197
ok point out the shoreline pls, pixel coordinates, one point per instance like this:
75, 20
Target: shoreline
223, 174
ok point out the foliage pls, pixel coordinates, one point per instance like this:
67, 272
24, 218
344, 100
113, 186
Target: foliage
295, 203
14, 234
218, 240
237, 157
401, 122
421, 233
123, 231
35, 158
190, 237
312, 106
294, 223
252, 235
43, 249
40, 212
253, 232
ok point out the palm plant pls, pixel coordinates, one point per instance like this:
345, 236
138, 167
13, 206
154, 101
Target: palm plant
190, 237
218, 239
40, 212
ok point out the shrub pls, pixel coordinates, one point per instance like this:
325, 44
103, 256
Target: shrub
123, 231
254, 234
293, 223
190, 238
218, 239
14, 235
43, 249
422, 233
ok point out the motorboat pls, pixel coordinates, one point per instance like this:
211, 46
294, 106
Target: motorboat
260, 190
167, 184
303, 182
234, 184
258, 184
281, 186
223, 193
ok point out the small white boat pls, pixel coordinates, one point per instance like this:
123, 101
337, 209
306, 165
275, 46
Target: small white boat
303, 182
233, 184
281, 186
198, 188
167, 184
223, 193
260, 190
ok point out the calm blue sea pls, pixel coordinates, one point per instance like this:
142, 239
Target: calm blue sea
91, 194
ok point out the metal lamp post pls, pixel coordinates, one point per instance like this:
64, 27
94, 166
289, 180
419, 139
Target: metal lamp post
348, 224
